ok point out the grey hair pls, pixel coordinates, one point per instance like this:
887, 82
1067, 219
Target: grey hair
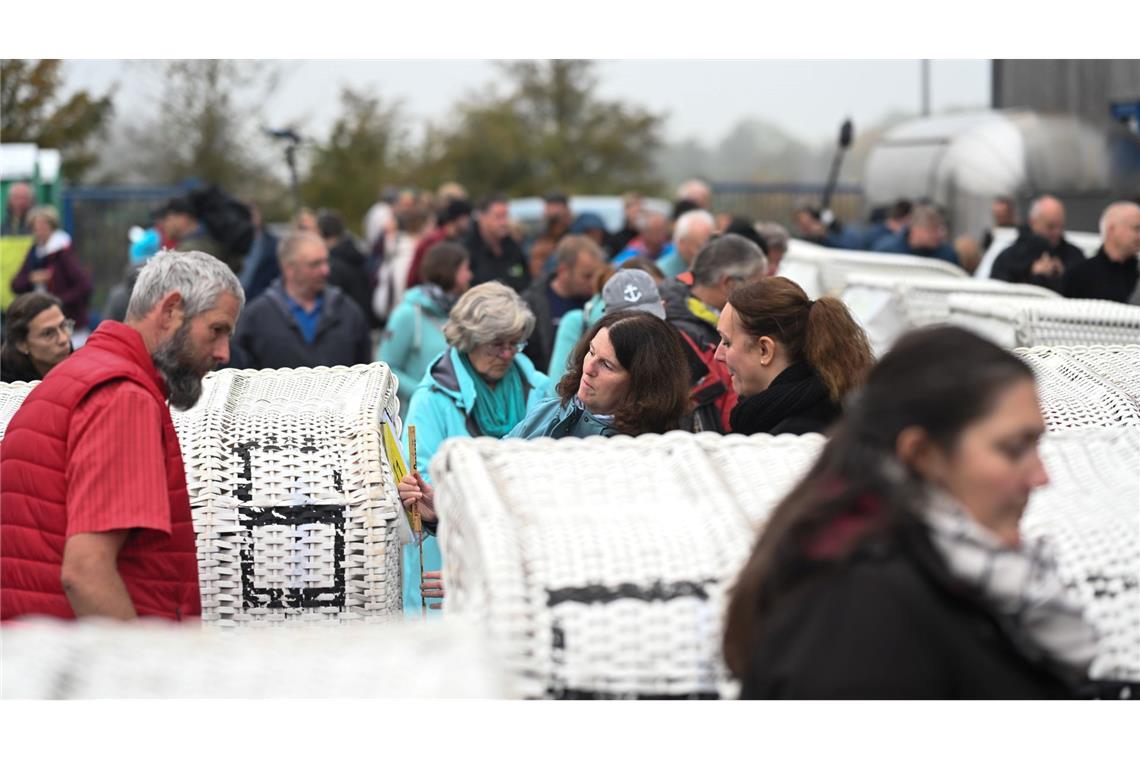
686, 188
292, 243
729, 255
485, 314
1110, 213
926, 216
774, 234
198, 277
686, 221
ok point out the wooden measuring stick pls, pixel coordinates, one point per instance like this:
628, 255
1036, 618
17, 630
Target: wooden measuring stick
417, 522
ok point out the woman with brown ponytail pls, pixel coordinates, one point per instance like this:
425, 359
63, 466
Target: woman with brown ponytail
792, 359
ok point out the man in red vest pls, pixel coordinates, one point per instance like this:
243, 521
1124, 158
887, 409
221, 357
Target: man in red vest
95, 517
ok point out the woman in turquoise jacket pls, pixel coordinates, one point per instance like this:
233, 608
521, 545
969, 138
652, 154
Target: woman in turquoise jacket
414, 333
481, 385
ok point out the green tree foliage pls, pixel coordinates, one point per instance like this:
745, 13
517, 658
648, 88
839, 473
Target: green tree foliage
32, 110
549, 131
205, 124
367, 147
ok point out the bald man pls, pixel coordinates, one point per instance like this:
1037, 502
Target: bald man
1040, 255
16, 220
1112, 273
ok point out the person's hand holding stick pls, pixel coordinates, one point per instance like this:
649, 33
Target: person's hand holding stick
417, 520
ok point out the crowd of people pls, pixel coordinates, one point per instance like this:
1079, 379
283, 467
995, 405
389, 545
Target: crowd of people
675, 321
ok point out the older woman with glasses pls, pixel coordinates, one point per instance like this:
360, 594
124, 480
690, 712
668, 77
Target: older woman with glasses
481, 385
37, 336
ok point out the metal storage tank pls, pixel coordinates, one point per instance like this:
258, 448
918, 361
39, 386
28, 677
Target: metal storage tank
963, 161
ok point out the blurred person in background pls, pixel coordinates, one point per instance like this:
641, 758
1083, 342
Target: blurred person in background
414, 334
631, 205
895, 568
348, 267
495, 254
792, 360
1111, 274
590, 225
968, 252
397, 252
690, 233
556, 221
776, 237
300, 320
924, 236
452, 223
481, 385
1004, 213
260, 267
53, 266
37, 336
895, 218
577, 262
652, 241
1040, 256
696, 191
811, 227
16, 221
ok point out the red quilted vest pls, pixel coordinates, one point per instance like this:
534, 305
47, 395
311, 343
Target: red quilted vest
160, 571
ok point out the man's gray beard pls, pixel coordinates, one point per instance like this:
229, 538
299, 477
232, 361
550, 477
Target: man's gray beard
183, 379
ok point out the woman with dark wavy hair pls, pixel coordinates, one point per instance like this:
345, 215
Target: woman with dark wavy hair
895, 568
627, 376
37, 336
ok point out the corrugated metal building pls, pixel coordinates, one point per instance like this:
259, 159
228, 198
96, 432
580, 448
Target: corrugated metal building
1084, 88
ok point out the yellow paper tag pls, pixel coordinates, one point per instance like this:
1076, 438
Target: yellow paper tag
392, 451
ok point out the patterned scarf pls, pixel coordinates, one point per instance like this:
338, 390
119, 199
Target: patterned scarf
497, 410
1021, 583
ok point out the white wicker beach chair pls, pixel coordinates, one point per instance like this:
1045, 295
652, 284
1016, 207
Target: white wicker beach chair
823, 271
1025, 322
1090, 512
889, 305
1087, 386
600, 566
52, 659
11, 396
295, 507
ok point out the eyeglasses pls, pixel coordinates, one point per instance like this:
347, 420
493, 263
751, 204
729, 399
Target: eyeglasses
50, 333
504, 346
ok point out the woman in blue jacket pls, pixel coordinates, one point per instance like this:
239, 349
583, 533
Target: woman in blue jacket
414, 333
481, 385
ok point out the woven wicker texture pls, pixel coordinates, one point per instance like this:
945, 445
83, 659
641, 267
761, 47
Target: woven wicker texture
11, 396
1087, 386
1090, 511
887, 305
295, 507
824, 271
1025, 322
154, 659
600, 566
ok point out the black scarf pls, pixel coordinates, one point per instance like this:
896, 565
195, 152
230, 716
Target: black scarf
797, 402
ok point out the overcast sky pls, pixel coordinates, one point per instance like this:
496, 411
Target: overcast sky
703, 99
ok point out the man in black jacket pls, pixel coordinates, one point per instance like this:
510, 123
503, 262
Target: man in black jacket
1040, 255
348, 268
1111, 274
495, 255
300, 321
578, 261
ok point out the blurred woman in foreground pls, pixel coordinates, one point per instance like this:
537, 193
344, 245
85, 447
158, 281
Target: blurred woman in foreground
895, 568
